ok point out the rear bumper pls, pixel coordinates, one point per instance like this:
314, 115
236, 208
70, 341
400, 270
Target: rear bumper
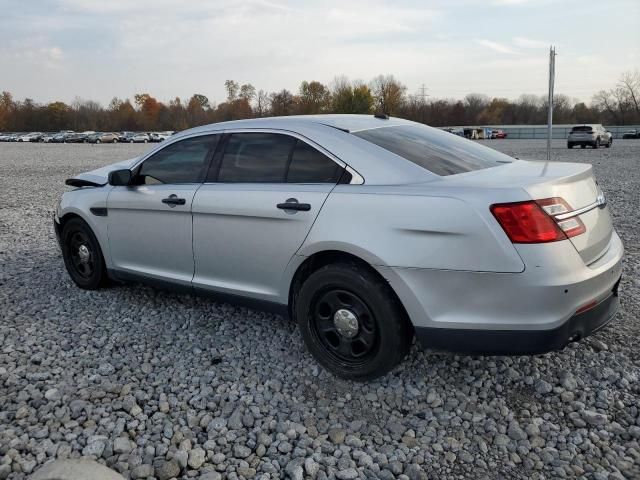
522, 342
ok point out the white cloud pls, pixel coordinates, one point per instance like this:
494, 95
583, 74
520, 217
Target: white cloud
529, 43
497, 47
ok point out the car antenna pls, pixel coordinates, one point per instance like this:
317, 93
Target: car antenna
382, 116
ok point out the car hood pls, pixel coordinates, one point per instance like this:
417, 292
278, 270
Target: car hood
101, 175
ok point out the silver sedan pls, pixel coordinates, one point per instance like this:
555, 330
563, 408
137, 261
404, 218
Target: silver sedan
367, 230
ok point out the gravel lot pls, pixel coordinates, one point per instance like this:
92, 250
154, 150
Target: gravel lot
160, 385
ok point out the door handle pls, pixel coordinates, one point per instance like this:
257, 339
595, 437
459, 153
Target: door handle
173, 200
292, 204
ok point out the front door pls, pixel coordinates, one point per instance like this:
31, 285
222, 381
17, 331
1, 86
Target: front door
149, 222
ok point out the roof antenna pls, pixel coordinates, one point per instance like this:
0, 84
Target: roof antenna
381, 116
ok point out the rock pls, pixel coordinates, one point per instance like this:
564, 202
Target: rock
241, 451
593, 418
337, 435
182, 457
53, 395
167, 470
347, 474
197, 456
543, 387
311, 467
235, 420
294, 470
142, 471
122, 445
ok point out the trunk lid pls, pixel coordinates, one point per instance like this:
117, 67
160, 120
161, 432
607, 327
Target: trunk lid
573, 182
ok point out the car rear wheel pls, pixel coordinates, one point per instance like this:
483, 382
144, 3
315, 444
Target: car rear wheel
583, 146
596, 143
569, 145
82, 255
352, 322
98, 141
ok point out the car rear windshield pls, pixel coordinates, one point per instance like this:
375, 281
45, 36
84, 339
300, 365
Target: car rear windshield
583, 128
435, 150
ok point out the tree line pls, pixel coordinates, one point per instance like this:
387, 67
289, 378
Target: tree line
384, 94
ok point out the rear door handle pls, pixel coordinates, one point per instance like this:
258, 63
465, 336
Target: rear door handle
173, 200
292, 204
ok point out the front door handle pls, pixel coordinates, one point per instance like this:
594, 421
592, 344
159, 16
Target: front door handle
173, 200
292, 204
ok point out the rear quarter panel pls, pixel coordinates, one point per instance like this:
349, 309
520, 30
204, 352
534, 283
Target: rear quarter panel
408, 230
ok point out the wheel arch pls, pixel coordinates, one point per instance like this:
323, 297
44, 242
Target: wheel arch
322, 258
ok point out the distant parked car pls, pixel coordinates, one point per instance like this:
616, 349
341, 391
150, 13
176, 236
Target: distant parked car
47, 137
139, 138
4, 137
592, 135
631, 134
498, 134
103, 138
30, 137
75, 137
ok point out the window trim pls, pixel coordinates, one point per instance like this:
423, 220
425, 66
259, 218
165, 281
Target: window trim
216, 161
202, 175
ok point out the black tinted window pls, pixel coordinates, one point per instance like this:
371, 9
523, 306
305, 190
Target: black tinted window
584, 128
308, 165
180, 162
256, 158
433, 149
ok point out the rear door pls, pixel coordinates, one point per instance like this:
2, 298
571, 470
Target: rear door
260, 200
149, 222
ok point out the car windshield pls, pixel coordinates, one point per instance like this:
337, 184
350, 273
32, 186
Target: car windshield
434, 150
583, 128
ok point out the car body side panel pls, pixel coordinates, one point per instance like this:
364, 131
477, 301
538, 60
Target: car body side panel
243, 242
79, 202
420, 231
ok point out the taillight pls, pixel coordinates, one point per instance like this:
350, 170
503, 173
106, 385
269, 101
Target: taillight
533, 221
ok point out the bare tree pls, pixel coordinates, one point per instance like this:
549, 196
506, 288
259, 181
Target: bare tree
388, 93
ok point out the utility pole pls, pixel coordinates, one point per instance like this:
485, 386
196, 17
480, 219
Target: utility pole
552, 74
423, 93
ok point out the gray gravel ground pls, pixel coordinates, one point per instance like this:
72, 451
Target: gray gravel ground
160, 385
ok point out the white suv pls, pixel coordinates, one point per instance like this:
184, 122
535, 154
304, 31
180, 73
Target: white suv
593, 135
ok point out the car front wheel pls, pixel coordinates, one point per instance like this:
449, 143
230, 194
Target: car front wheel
608, 145
82, 255
596, 143
352, 322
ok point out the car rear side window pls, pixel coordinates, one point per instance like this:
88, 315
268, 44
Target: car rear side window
256, 158
180, 162
308, 165
435, 150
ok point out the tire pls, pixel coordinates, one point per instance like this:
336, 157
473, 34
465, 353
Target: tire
146, 141
583, 146
375, 335
608, 145
130, 141
569, 145
596, 144
86, 265
98, 141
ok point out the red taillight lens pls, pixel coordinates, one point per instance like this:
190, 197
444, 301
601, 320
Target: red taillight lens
534, 221
527, 222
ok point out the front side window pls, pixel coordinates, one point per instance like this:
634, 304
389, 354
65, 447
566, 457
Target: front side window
434, 150
180, 162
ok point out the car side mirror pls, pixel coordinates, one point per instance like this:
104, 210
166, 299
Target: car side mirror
120, 178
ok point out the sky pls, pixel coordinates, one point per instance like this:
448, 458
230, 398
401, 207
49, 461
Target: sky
62, 49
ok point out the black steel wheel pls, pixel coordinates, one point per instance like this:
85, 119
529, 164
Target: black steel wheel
351, 321
345, 326
82, 255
